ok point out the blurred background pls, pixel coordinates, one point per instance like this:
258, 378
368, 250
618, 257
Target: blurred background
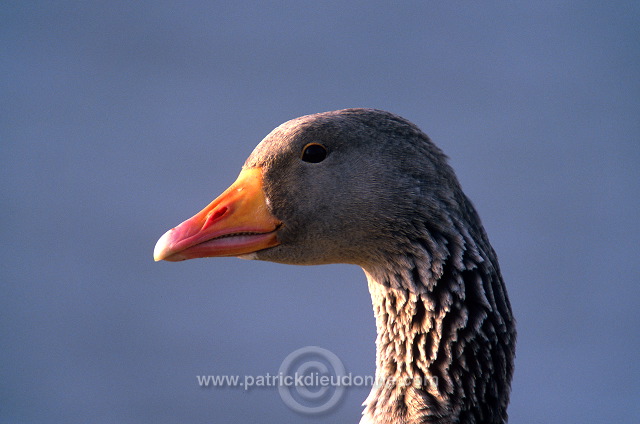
118, 120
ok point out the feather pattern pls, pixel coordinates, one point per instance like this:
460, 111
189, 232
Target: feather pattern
445, 336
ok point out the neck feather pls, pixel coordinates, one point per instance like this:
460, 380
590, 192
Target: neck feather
446, 336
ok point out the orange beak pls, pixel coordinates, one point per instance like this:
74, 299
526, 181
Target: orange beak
236, 223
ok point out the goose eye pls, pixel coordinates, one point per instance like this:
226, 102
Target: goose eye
314, 153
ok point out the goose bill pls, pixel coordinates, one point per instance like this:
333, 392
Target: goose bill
237, 223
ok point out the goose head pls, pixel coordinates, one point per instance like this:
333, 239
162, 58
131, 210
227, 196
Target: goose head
366, 187
349, 186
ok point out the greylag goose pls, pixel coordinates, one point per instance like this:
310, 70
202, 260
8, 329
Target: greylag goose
366, 187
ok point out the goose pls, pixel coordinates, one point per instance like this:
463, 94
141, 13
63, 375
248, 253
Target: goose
367, 187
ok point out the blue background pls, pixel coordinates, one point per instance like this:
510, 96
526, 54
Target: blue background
118, 120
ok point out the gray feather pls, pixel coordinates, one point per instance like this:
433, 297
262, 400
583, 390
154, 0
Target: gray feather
386, 199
